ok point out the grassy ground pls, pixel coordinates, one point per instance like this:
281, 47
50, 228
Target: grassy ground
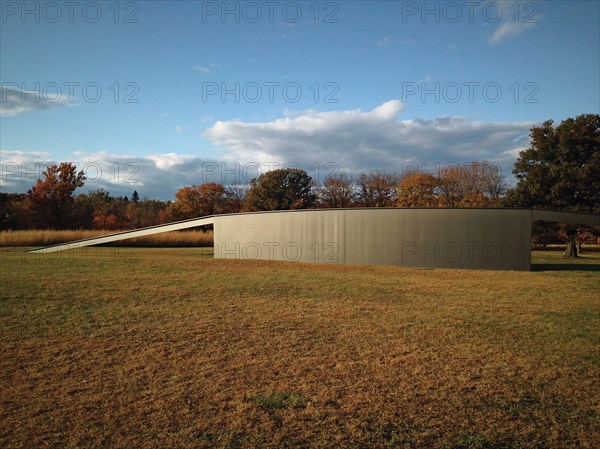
147, 348
589, 259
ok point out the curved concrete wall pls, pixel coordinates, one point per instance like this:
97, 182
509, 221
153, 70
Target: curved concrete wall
493, 239
497, 239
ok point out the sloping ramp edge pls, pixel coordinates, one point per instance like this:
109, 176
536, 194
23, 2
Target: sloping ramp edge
177, 226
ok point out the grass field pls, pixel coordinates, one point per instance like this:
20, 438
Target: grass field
169, 348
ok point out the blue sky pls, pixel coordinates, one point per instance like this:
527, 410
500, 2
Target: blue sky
157, 95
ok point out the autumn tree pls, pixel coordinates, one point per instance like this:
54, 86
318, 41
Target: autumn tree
281, 189
146, 212
479, 184
97, 209
560, 170
51, 199
418, 190
377, 189
106, 221
88, 204
13, 211
133, 215
199, 200
238, 194
337, 191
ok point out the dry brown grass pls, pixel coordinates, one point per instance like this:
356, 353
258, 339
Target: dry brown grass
50, 237
172, 349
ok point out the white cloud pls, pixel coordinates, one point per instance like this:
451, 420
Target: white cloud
169, 160
384, 41
355, 140
517, 18
208, 68
19, 157
16, 101
508, 30
388, 110
18, 167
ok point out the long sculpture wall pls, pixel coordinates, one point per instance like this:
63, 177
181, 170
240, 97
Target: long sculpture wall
494, 239
497, 239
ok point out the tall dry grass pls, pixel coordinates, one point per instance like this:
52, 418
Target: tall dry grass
49, 237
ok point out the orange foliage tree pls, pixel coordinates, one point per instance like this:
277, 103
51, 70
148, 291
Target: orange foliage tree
51, 199
206, 199
107, 221
418, 190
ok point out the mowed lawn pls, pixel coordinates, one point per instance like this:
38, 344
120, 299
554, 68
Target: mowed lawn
169, 348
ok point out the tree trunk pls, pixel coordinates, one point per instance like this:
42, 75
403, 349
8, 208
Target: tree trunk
571, 250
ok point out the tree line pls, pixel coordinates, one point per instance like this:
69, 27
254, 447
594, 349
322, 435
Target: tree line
52, 204
560, 170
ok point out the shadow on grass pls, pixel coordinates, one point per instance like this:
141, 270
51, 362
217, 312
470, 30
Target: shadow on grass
565, 267
554, 261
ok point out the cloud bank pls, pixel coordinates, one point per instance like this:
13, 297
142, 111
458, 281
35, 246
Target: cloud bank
321, 143
376, 139
15, 101
156, 176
